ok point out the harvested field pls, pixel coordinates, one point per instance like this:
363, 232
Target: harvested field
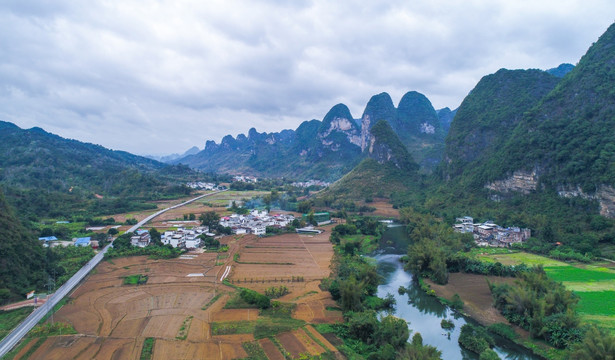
291, 344
271, 350
475, 293
113, 320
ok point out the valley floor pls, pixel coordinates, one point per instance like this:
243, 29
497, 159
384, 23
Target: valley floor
181, 302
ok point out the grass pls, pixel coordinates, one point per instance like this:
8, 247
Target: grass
261, 328
136, 279
148, 348
12, 318
593, 283
212, 301
182, 334
254, 351
52, 329
305, 295
515, 258
597, 303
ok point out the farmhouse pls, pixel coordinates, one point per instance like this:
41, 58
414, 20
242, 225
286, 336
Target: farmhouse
84, 241
184, 238
490, 233
255, 223
141, 238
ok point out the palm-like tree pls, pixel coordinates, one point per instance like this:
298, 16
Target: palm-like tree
597, 345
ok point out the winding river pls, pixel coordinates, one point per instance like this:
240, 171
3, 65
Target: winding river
424, 313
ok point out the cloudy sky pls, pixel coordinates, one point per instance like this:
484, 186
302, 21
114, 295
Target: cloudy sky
157, 77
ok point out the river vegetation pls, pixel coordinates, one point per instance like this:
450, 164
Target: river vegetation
353, 284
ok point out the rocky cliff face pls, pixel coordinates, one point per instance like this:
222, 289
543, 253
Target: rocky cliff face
605, 195
521, 181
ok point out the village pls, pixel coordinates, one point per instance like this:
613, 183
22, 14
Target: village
490, 233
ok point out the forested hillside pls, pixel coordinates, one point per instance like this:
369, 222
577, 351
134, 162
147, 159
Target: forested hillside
46, 175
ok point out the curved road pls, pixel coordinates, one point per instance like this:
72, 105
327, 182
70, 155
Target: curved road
22, 329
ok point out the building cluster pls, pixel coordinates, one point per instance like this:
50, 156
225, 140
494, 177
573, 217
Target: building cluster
306, 184
490, 233
199, 185
246, 179
256, 222
185, 238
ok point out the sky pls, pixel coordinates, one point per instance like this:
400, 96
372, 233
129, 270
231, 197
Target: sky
158, 77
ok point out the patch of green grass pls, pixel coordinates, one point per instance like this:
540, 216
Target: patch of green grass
136, 279
254, 351
516, 258
52, 329
306, 295
261, 328
574, 274
182, 334
279, 310
333, 308
148, 348
597, 302
10, 319
236, 302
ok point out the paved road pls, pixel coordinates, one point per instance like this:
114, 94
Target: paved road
22, 329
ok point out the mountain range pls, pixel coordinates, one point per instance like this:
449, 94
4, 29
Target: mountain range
328, 149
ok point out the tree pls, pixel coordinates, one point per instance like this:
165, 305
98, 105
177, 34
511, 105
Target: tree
192, 217
304, 207
155, 236
598, 344
393, 331
210, 219
113, 231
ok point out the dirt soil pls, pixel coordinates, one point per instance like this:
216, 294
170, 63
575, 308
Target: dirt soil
475, 293
113, 320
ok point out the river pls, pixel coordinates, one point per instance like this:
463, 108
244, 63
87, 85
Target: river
423, 312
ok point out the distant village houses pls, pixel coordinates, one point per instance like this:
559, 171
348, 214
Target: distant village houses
199, 185
490, 233
246, 179
185, 238
255, 223
140, 238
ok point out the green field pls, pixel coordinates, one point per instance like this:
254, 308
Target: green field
223, 198
10, 319
594, 284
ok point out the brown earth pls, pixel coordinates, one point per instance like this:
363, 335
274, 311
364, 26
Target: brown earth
475, 293
113, 320
291, 344
271, 350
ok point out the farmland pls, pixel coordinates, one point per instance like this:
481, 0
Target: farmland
594, 283
173, 315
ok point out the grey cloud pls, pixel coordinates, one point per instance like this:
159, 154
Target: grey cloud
160, 77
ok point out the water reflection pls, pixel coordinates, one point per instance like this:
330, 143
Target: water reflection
424, 313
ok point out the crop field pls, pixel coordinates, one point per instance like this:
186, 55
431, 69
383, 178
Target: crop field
185, 315
594, 283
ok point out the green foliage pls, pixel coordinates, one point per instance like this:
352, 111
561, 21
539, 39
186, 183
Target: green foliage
504, 330
488, 354
136, 279
597, 344
540, 305
255, 298
10, 319
475, 338
52, 329
447, 324
148, 348
274, 292
254, 351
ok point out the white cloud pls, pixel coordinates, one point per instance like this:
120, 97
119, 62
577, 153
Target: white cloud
162, 76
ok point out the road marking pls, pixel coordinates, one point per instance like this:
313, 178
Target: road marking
226, 272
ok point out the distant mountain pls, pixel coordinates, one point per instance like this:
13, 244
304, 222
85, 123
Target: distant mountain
487, 116
563, 144
38, 168
561, 70
388, 168
326, 149
169, 158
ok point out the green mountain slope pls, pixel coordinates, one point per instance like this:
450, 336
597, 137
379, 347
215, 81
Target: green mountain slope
389, 168
488, 115
568, 138
22, 262
46, 175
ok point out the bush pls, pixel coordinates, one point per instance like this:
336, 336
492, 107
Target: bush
254, 298
475, 338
